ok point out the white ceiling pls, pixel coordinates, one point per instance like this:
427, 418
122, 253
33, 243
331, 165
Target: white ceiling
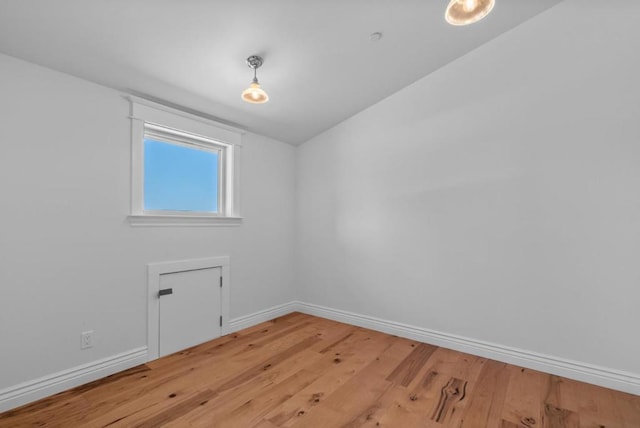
320, 66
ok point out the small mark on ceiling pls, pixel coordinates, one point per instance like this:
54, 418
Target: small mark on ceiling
374, 37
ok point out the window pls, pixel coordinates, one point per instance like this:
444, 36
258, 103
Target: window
184, 169
181, 174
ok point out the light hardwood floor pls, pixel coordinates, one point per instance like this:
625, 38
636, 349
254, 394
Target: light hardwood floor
304, 371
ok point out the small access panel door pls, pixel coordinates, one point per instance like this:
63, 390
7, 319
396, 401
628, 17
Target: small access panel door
190, 309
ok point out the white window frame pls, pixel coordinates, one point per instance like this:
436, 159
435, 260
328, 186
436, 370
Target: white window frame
182, 139
181, 128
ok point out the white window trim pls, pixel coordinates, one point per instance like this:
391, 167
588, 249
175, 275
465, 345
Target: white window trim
191, 141
144, 112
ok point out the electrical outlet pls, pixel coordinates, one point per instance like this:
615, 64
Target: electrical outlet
86, 341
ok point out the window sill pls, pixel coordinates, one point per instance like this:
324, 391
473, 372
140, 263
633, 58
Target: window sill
182, 221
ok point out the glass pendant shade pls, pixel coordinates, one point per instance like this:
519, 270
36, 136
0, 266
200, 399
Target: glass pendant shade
465, 12
255, 94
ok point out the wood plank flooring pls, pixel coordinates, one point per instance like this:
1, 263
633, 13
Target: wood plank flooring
303, 371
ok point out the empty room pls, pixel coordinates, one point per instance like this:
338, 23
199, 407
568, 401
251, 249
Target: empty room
414, 213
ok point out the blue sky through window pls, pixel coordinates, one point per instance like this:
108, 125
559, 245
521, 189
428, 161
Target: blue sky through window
179, 178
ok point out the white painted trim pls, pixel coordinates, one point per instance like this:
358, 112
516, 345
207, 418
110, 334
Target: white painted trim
195, 131
154, 270
45, 386
597, 375
176, 111
176, 119
39, 388
182, 220
250, 320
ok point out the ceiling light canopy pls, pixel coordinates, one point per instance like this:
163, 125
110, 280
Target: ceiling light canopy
254, 94
465, 12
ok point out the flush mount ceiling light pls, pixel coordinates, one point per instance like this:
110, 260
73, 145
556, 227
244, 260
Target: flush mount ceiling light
465, 12
254, 94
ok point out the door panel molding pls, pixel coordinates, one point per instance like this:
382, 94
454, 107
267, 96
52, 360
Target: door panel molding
154, 270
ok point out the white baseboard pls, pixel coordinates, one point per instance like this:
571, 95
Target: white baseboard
45, 386
609, 378
261, 316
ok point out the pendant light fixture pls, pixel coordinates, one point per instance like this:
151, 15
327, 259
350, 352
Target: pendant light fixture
465, 12
254, 94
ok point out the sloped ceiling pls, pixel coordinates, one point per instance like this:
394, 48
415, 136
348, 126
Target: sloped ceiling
320, 65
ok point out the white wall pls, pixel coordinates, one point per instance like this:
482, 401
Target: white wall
69, 260
497, 199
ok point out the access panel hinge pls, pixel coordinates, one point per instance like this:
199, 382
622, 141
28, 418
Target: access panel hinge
220, 320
